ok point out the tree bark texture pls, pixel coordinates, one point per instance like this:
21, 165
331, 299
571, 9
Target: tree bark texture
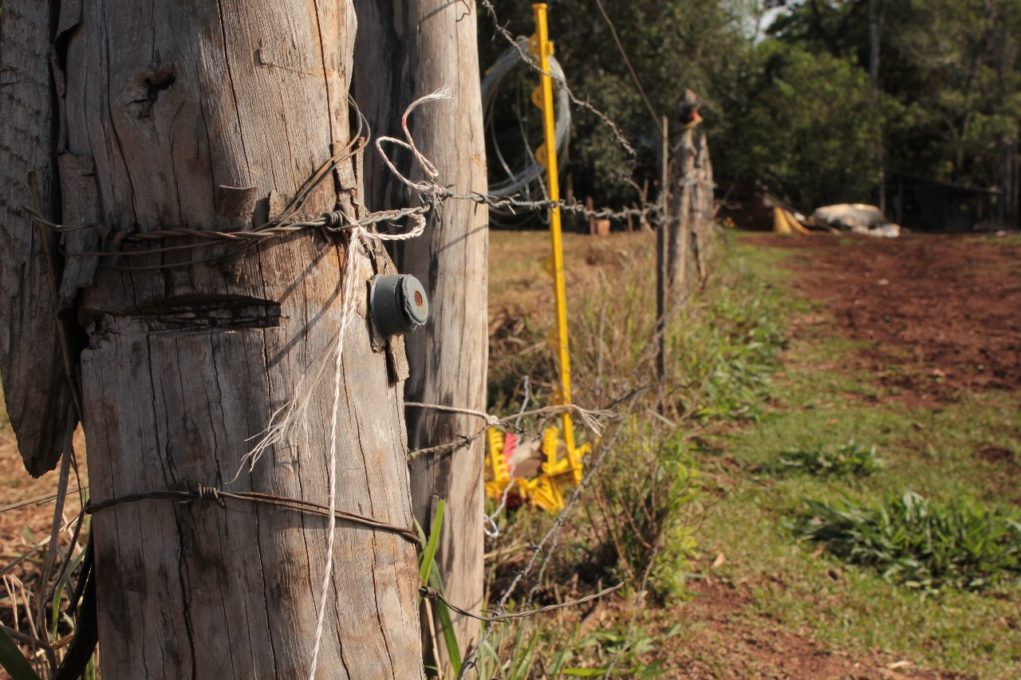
876, 11
426, 45
37, 395
206, 116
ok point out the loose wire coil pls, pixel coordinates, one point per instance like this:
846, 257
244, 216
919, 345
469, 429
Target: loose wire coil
520, 178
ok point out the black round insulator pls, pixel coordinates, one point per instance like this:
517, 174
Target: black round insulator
398, 304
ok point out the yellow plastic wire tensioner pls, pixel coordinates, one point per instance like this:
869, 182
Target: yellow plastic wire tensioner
547, 490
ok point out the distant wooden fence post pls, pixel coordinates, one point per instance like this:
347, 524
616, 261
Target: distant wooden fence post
684, 240
682, 237
702, 213
665, 224
426, 45
210, 116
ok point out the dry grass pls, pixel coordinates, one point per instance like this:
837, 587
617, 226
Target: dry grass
520, 283
24, 536
522, 306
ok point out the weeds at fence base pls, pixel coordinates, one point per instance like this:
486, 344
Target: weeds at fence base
636, 520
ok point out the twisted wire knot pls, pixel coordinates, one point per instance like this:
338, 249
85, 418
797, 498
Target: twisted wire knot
208, 493
334, 219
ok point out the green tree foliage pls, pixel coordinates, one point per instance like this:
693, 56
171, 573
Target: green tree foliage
673, 46
950, 77
954, 78
806, 129
787, 96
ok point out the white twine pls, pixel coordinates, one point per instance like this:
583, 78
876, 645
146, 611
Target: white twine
489, 525
488, 417
346, 315
286, 418
408, 143
292, 415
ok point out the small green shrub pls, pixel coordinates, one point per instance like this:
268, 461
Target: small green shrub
827, 461
729, 350
639, 510
919, 543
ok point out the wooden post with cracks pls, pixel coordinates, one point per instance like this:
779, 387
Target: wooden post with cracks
684, 240
206, 116
37, 396
426, 45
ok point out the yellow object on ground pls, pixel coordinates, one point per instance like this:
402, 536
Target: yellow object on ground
785, 223
546, 490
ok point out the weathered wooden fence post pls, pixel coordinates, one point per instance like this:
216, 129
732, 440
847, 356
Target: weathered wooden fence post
680, 238
210, 116
662, 238
684, 239
427, 45
36, 388
702, 212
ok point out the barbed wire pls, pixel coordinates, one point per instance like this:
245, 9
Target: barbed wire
592, 419
286, 223
333, 222
498, 617
336, 221
218, 496
551, 535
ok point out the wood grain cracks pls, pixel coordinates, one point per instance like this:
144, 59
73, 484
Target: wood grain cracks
193, 313
164, 144
37, 395
405, 50
144, 108
150, 84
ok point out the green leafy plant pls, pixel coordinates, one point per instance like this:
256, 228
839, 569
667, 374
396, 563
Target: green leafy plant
849, 459
13, 661
728, 350
638, 510
514, 653
538, 650
430, 576
920, 543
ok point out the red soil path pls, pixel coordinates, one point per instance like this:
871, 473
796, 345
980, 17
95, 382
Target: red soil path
940, 314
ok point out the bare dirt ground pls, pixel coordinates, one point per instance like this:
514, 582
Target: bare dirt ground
940, 314
728, 642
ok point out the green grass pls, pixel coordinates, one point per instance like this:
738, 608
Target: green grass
534, 650
730, 356
918, 543
850, 459
819, 398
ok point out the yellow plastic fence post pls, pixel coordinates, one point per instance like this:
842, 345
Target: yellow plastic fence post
548, 157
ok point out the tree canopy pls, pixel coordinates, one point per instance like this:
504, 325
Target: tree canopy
788, 98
